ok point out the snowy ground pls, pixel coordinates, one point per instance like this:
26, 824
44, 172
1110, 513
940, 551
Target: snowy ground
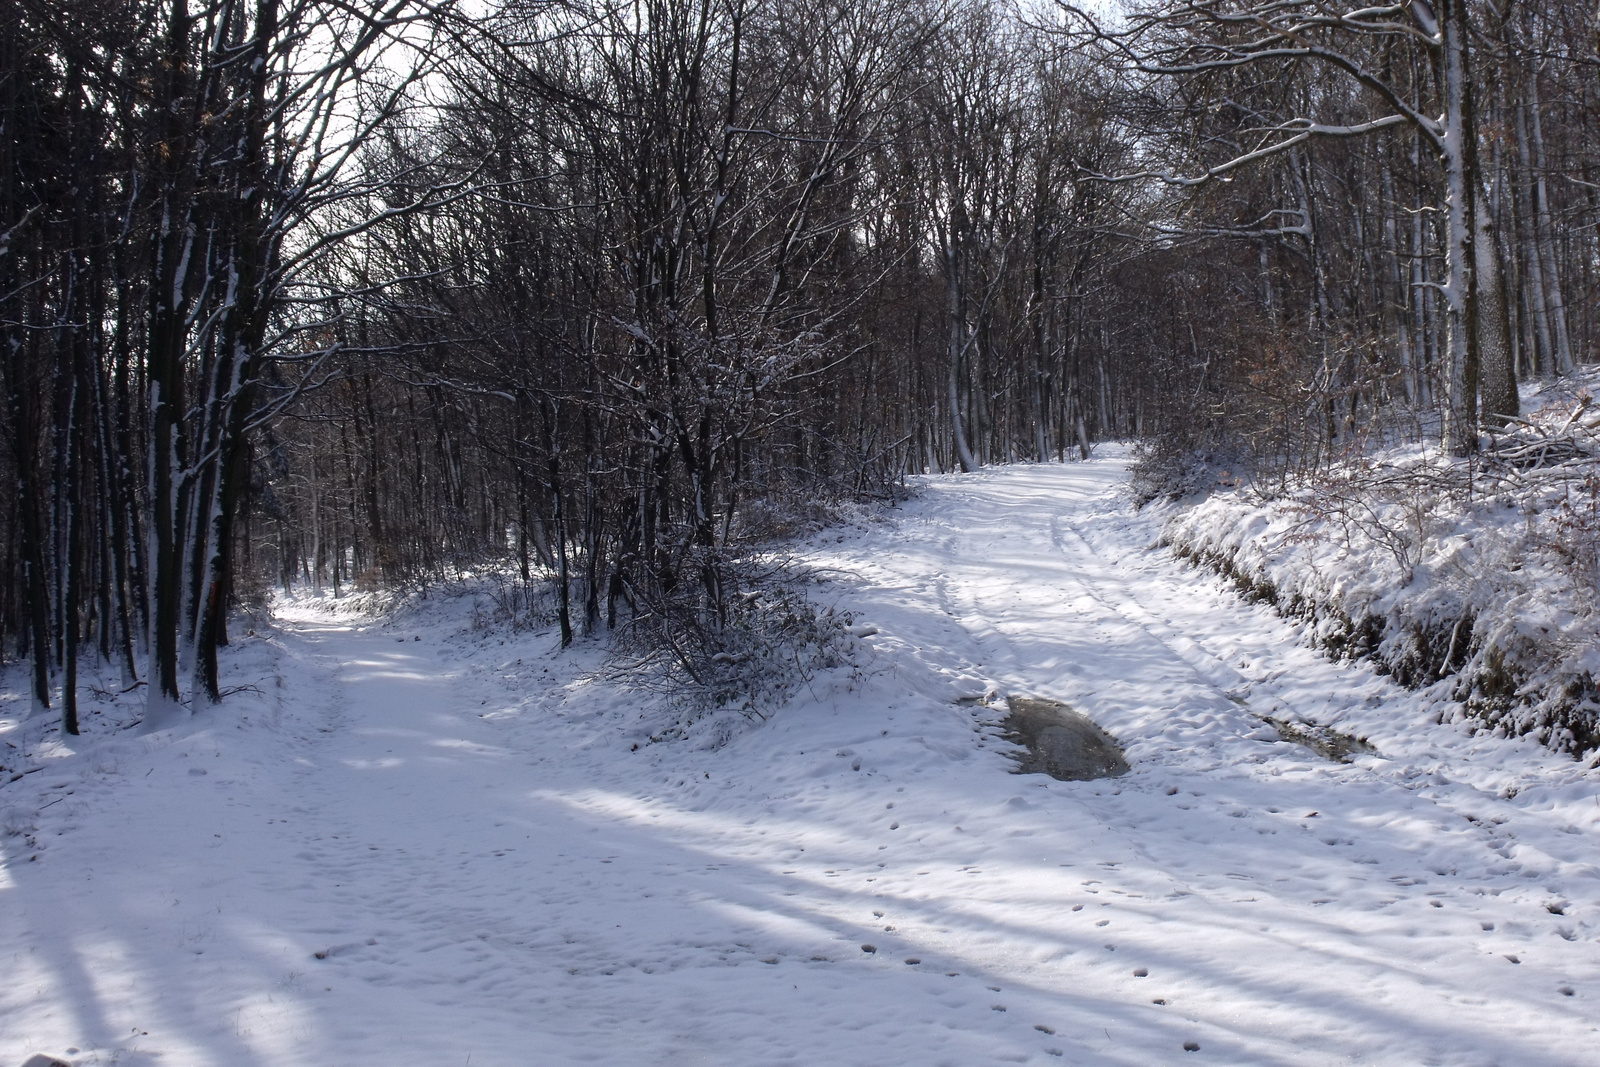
450, 851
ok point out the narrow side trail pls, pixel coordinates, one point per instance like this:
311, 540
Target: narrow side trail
428, 843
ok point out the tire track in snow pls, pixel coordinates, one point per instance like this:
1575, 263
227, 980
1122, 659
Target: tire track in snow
1118, 596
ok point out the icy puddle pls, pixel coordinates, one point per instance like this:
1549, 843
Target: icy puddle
1061, 742
1324, 741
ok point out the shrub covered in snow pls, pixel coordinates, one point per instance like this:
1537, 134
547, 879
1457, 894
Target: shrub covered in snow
1168, 469
766, 639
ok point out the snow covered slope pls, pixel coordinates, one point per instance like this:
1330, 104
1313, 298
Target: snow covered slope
424, 843
1480, 580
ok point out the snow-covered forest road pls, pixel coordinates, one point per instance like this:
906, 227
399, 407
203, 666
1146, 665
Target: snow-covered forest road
428, 843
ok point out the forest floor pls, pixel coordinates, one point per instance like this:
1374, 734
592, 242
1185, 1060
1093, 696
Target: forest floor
426, 840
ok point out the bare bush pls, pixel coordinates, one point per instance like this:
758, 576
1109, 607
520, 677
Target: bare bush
523, 604
767, 639
1390, 507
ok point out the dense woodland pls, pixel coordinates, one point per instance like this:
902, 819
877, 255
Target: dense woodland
299, 293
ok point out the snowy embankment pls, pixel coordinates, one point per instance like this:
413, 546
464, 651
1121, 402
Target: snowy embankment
1479, 582
421, 842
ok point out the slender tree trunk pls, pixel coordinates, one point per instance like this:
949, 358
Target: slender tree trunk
71, 556
36, 588
1459, 290
1494, 325
1535, 294
956, 312
175, 250
1544, 238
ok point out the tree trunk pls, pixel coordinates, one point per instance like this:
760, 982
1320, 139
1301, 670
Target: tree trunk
954, 307
1459, 290
1493, 322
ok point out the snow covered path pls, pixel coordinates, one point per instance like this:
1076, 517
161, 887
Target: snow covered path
412, 851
